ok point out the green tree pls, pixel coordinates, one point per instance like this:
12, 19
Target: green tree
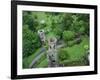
67, 21
30, 41
80, 23
30, 20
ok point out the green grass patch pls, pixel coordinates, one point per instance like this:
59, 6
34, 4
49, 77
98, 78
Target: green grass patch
43, 64
27, 61
43, 57
76, 52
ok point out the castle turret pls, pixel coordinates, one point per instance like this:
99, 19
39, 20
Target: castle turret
52, 52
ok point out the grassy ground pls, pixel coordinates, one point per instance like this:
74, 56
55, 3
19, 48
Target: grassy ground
76, 53
43, 64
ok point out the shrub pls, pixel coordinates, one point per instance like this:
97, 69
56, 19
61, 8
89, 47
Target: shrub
82, 30
68, 35
62, 54
71, 43
86, 47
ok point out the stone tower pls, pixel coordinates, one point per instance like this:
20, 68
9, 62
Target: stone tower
41, 34
52, 52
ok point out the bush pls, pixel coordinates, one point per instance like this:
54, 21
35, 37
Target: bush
82, 30
62, 54
86, 47
70, 43
68, 35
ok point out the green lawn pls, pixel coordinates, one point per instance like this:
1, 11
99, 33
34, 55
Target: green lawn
76, 53
43, 64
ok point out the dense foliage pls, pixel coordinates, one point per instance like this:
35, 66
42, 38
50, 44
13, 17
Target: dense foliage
30, 41
68, 35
